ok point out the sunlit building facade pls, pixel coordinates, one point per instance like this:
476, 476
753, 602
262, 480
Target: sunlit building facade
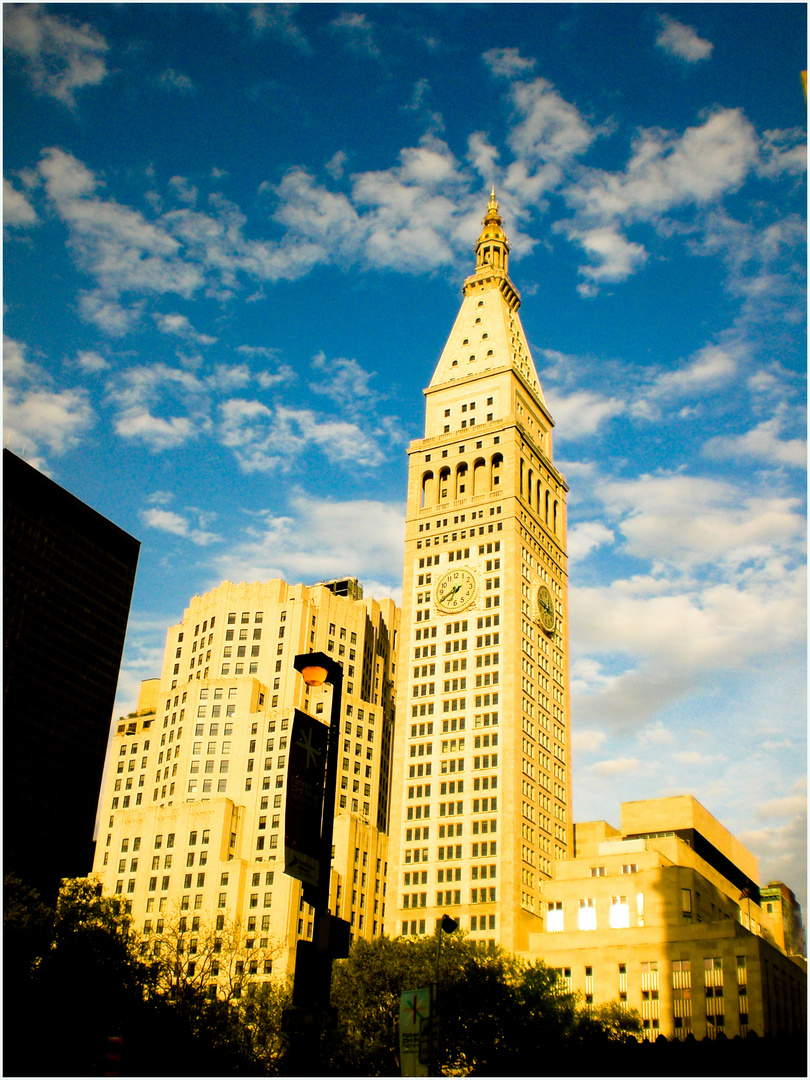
666, 917
192, 819
481, 787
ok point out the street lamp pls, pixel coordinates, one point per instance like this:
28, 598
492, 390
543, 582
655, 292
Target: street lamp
445, 925
312, 863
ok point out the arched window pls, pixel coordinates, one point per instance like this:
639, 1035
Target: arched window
428, 490
529, 486
444, 483
495, 476
461, 481
479, 477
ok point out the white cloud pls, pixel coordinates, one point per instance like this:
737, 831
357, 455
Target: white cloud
357, 33
431, 119
283, 374
712, 367
784, 850
155, 432
614, 767
118, 245
682, 41
225, 378
696, 758
58, 55
180, 326
482, 155
175, 80
762, 261
183, 190
786, 806
112, 317
170, 522
279, 19
583, 411
343, 380
336, 165
551, 128
586, 537
89, 360
762, 443
587, 742
685, 522
667, 170
265, 439
134, 394
508, 62
783, 151
17, 210
614, 258
318, 540
722, 558
35, 416
415, 215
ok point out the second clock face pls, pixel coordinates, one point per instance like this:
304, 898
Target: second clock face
455, 590
545, 608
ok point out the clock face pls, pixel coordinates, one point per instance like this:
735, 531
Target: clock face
455, 590
545, 608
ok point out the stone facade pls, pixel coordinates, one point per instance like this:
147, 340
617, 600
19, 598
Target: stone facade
665, 917
192, 821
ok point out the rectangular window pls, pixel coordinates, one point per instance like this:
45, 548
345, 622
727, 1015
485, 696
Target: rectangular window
686, 904
587, 915
619, 912
554, 917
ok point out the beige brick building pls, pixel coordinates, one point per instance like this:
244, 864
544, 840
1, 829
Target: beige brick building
481, 785
192, 818
665, 916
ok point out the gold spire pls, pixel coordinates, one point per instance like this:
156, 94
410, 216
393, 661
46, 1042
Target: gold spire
492, 249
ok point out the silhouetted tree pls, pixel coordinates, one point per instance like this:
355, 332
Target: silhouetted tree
496, 1012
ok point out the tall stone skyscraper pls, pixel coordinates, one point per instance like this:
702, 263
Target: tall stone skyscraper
482, 775
191, 831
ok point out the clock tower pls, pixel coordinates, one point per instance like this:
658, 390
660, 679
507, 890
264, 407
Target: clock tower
482, 775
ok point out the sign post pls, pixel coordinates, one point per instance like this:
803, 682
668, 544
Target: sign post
414, 1029
306, 771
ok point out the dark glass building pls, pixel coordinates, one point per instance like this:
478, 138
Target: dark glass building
68, 576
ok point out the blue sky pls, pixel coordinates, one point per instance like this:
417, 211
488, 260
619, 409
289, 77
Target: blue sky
235, 237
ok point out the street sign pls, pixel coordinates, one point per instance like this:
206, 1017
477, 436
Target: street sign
414, 1022
306, 770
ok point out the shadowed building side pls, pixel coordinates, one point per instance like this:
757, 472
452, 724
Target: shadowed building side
68, 576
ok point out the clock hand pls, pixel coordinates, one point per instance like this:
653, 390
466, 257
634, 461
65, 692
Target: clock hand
447, 595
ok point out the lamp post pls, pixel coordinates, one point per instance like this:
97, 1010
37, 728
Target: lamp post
311, 1014
445, 925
